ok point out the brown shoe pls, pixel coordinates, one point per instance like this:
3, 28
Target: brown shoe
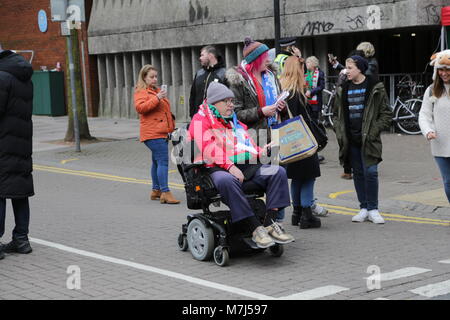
346, 176
155, 195
167, 197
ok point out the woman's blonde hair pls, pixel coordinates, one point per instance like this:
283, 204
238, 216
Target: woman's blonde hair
142, 74
293, 76
313, 60
367, 48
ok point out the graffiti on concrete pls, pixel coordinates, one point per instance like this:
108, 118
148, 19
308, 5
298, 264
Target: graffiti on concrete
317, 27
371, 20
433, 13
198, 12
355, 23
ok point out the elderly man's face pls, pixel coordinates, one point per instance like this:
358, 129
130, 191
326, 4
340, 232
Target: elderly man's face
225, 107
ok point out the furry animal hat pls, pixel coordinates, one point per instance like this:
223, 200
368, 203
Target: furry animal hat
440, 60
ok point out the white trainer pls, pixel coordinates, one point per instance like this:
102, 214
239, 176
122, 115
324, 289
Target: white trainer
319, 211
361, 216
375, 216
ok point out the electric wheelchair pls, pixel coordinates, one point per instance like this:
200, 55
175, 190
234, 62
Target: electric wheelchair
210, 234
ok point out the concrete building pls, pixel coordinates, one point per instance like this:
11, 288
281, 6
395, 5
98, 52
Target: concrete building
126, 34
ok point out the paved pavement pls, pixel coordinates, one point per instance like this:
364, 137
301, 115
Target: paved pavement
96, 235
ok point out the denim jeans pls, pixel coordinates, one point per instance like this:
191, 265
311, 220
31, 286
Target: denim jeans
160, 163
444, 166
21, 210
302, 192
365, 180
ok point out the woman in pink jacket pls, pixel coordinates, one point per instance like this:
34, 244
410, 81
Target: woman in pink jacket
232, 158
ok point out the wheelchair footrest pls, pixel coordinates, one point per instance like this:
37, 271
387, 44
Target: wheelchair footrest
250, 243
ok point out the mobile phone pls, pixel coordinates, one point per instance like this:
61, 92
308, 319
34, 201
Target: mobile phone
164, 87
282, 96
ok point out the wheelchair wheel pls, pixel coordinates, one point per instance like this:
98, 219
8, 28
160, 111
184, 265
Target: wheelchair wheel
221, 256
182, 242
200, 239
276, 250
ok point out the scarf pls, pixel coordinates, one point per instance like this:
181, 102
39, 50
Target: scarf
230, 135
266, 93
312, 78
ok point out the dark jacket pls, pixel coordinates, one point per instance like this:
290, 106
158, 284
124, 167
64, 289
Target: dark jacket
377, 117
202, 79
246, 104
308, 168
16, 127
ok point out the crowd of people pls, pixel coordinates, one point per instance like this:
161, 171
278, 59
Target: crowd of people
233, 101
245, 97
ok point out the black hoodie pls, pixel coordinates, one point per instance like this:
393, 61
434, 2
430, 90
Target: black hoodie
202, 79
16, 127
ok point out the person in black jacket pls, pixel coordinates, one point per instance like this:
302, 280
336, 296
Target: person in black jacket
16, 130
213, 69
365, 50
303, 172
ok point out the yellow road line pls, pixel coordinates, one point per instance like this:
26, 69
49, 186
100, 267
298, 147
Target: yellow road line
331, 208
407, 219
68, 160
98, 175
335, 194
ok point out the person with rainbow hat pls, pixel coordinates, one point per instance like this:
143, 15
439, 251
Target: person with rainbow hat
256, 88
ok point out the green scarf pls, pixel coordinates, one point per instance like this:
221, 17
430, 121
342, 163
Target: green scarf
217, 114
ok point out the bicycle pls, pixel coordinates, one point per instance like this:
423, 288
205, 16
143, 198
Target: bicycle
406, 112
327, 109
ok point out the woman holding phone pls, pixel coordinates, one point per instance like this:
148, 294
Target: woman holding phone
156, 122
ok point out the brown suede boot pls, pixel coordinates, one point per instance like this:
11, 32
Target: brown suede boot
167, 197
155, 195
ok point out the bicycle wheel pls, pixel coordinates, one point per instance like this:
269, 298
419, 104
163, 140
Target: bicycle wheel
407, 116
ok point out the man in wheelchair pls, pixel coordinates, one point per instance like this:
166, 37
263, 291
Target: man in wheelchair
231, 157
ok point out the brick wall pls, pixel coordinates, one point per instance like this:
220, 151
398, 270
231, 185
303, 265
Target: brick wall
19, 30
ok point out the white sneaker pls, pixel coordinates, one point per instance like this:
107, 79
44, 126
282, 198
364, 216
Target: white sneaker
319, 211
361, 216
375, 216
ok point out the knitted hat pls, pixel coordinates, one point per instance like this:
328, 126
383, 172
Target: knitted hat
361, 63
253, 49
217, 92
440, 60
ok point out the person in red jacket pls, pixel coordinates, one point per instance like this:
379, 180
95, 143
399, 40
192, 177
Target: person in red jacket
232, 158
156, 122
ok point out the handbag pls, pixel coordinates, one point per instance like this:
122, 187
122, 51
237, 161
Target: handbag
319, 132
293, 139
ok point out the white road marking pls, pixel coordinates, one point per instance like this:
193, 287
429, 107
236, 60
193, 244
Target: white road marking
315, 293
433, 290
401, 273
163, 272
445, 261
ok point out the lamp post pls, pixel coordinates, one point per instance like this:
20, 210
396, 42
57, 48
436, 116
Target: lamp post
276, 15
